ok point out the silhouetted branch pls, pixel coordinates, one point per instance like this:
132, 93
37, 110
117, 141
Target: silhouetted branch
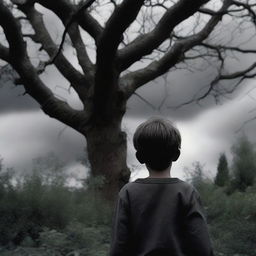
82, 56
162, 43
145, 101
146, 43
115, 27
173, 56
43, 37
33, 85
229, 48
240, 75
65, 10
72, 19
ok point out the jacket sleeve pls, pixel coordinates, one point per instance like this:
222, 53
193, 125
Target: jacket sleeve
197, 240
120, 229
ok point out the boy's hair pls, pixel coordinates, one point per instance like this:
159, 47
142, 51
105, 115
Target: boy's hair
157, 142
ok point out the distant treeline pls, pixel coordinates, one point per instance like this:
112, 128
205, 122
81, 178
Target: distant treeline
40, 214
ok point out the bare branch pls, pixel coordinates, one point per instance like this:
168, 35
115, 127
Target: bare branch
28, 74
156, 5
228, 48
12, 30
115, 27
83, 58
135, 79
71, 20
211, 12
90, 25
145, 101
145, 44
75, 37
240, 75
106, 76
64, 10
42, 36
247, 7
107, 90
114, 3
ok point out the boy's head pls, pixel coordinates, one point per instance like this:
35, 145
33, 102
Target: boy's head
157, 142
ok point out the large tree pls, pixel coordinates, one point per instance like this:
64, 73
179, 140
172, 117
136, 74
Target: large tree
164, 34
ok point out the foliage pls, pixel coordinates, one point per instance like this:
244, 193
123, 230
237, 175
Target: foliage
222, 176
41, 215
244, 164
231, 217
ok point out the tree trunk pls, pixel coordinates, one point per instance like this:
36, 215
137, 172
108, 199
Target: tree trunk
107, 152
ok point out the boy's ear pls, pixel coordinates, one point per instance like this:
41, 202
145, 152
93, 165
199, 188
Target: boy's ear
175, 155
140, 157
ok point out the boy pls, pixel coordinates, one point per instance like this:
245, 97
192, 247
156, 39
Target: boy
159, 215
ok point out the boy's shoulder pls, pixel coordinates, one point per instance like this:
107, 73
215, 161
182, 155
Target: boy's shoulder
143, 190
137, 184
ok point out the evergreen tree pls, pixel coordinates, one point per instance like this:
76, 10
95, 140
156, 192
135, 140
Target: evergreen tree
244, 164
222, 176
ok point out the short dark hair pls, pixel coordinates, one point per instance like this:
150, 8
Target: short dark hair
157, 142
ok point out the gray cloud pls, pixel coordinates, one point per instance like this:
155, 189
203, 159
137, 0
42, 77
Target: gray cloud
163, 97
12, 100
27, 135
183, 85
11, 96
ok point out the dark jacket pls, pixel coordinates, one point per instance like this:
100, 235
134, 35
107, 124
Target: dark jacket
159, 217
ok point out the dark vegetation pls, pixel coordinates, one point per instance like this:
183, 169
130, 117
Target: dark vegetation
41, 215
230, 201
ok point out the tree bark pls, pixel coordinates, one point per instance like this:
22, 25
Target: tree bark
107, 151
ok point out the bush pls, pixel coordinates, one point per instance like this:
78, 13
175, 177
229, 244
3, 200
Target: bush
231, 217
41, 215
34, 207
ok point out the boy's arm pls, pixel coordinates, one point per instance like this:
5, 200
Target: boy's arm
120, 230
196, 232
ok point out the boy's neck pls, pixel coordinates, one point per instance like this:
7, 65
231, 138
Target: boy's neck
159, 174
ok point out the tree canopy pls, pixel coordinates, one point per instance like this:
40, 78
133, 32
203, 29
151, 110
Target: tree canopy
161, 34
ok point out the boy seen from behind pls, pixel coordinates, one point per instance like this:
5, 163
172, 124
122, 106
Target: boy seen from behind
159, 215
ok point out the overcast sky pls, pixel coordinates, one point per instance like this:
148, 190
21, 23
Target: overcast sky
206, 129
